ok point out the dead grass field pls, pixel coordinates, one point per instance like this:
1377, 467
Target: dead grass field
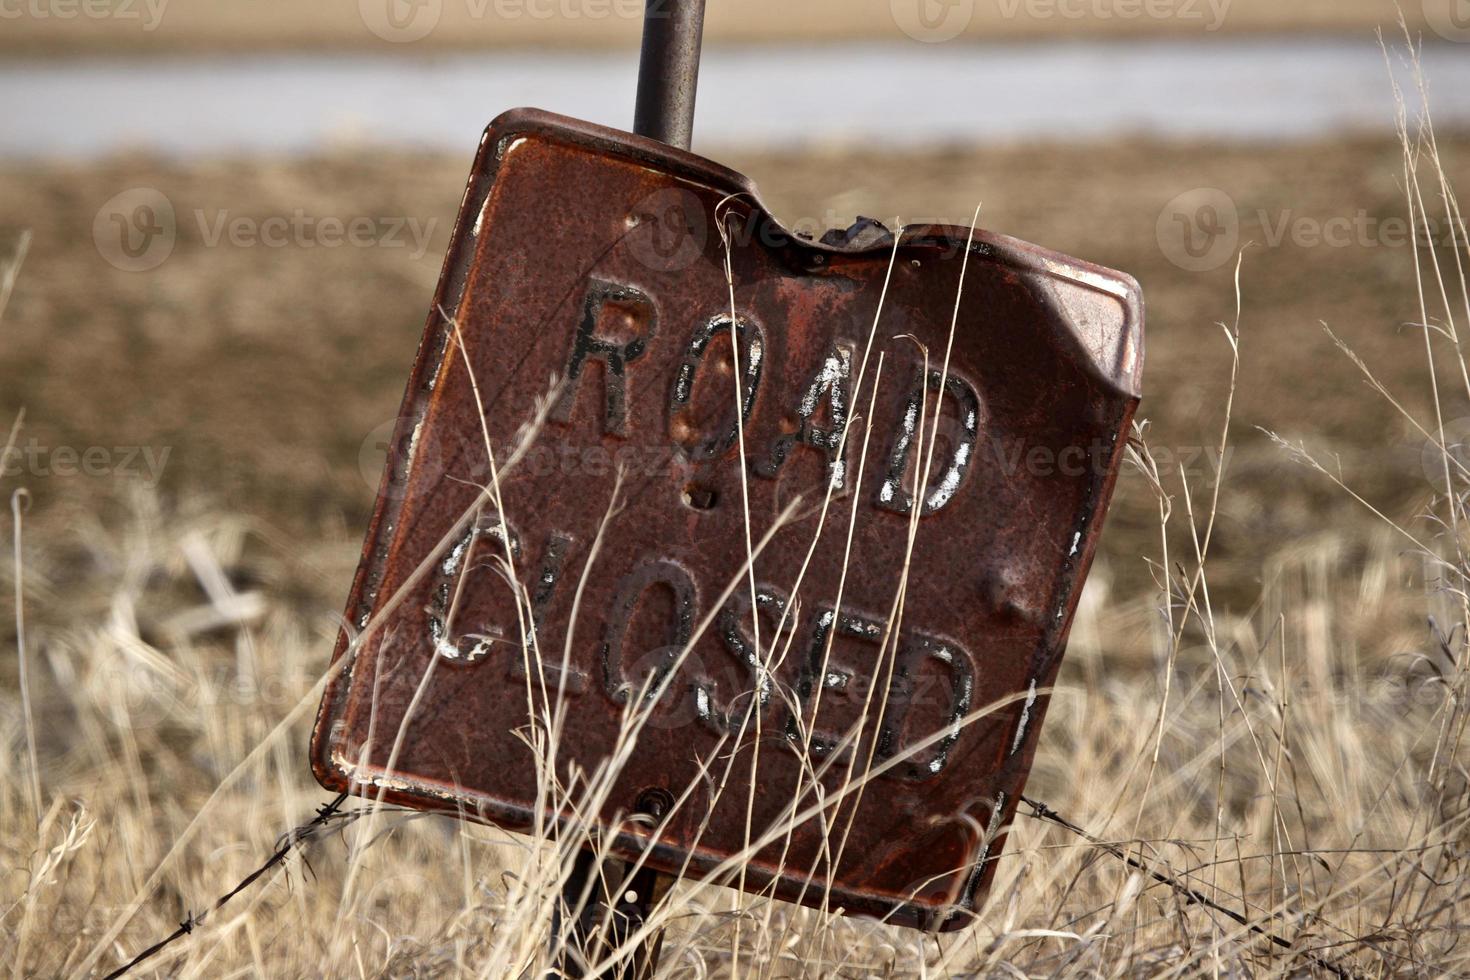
1304, 708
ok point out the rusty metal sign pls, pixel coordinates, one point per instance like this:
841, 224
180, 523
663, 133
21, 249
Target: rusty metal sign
919, 467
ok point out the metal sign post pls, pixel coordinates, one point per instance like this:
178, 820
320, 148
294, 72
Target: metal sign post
619, 902
668, 70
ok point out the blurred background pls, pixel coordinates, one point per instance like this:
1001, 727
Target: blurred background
221, 224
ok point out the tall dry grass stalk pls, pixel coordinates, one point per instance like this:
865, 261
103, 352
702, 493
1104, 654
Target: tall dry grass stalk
1267, 762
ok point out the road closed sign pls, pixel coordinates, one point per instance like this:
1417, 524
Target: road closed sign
756, 552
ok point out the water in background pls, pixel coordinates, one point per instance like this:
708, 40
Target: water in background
776, 95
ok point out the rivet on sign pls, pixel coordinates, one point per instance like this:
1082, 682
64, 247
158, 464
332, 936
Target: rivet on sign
700, 497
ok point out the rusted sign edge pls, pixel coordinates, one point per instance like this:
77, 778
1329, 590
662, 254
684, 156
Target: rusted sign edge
1122, 379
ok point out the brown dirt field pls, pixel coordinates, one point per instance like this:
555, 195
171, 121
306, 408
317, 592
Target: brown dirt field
264, 370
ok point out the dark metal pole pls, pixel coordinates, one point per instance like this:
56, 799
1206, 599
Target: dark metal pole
668, 70
605, 902
602, 904
668, 75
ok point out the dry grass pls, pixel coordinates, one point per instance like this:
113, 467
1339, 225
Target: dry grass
1297, 756
1319, 792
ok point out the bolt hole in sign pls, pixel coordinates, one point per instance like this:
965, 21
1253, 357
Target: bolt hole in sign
764, 528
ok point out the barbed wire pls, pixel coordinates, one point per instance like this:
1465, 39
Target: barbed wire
287, 842
1041, 811
329, 812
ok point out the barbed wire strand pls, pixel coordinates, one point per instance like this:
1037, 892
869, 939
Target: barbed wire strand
1041, 811
288, 842
1038, 810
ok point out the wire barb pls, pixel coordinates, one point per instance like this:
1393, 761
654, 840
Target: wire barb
1040, 811
284, 846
